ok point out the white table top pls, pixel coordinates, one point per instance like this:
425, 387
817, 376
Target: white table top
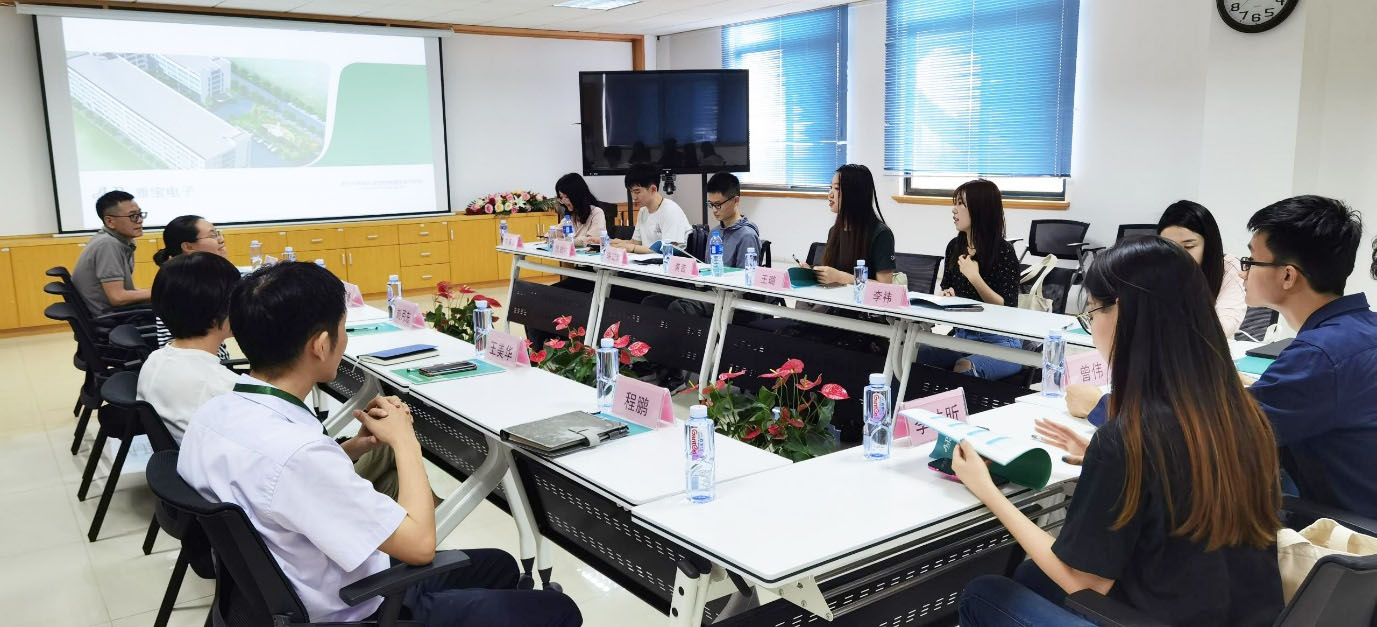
363, 313
450, 349
1010, 321
780, 525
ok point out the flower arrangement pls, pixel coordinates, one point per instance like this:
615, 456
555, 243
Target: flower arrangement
573, 359
452, 313
801, 429
515, 201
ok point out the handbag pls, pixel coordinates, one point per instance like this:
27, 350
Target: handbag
1297, 551
1037, 273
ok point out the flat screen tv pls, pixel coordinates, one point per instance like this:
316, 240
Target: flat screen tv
684, 121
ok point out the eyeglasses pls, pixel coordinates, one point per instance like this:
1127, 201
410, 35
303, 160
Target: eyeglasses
214, 234
719, 205
1247, 264
134, 217
1085, 318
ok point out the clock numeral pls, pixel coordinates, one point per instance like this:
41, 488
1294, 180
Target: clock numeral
1234, 7
1269, 11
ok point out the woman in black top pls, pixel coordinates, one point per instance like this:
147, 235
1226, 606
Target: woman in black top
859, 231
1175, 513
981, 266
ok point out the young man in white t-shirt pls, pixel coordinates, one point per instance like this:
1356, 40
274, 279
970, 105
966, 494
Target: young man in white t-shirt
659, 218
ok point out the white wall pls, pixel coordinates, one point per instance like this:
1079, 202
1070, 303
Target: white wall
25, 173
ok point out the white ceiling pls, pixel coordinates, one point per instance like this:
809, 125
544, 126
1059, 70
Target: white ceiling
647, 17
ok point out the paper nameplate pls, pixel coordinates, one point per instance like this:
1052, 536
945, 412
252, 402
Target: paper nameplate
772, 278
614, 255
511, 240
886, 295
353, 297
407, 314
1087, 368
642, 403
563, 248
269, 260
683, 266
507, 350
951, 404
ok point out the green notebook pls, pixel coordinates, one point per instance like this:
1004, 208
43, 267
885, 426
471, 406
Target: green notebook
414, 375
1253, 365
802, 277
1015, 458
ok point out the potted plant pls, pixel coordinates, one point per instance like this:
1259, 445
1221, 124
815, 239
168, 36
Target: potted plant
572, 359
801, 430
452, 313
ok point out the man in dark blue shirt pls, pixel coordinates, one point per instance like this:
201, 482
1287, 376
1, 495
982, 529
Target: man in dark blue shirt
1321, 392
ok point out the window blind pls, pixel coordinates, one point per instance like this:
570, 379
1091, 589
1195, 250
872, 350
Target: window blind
797, 69
980, 87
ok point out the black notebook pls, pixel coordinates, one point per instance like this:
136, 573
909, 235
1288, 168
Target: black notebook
399, 355
1270, 351
564, 434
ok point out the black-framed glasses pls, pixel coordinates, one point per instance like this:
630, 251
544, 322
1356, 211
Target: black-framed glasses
134, 217
719, 205
1247, 264
1084, 317
214, 234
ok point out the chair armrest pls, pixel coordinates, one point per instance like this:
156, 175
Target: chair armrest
400, 577
1107, 612
123, 315
1304, 512
236, 365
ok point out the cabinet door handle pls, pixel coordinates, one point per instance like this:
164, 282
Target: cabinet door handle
317, 240
425, 254
373, 236
341, 260
425, 277
422, 233
351, 259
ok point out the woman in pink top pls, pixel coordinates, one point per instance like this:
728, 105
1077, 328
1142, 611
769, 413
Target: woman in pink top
1191, 227
589, 219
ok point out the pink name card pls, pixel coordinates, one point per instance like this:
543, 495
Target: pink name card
886, 295
772, 278
511, 240
614, 255
407, 314
563, 248
1087, 368
642, 403
951, 404
686, 267
507, 350
353, 297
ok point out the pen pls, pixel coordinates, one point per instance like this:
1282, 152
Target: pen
796, 259
372, 328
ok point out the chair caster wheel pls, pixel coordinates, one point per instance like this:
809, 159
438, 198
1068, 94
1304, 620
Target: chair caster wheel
526, 582
554, 586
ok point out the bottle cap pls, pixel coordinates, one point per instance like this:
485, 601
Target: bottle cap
717, 233
287, 249
750, 249
604, 231
878, 378
1054, 333
392, 277
320, 262
254, 242
482, 304
698, 411
860, 262
606, 342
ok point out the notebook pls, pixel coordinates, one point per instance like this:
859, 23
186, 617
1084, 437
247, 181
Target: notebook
564, 434
802, 277
944, 303
400, 354
1270, 351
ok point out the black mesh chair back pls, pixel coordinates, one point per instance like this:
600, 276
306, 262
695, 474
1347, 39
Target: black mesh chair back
1134, 230
1340, 591
921, 270
70, 294
609, 211
763, 256
676, 340
815, 253
622, 231
1256, 321
536, 305
981, 394
1056, 237
697, 242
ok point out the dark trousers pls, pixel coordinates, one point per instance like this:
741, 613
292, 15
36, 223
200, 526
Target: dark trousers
483, 593
1030, 599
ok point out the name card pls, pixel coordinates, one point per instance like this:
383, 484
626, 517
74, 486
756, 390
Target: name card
951, 404
886, 295
772, 278
563, 248
269, 260
683, 266
407, 314
615, 256
353, 297
507, 350
511, 240
1088, 368
642, 403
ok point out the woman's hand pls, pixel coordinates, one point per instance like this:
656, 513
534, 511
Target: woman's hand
831, 276
1064, 438
949, 292
969, 267
973, 471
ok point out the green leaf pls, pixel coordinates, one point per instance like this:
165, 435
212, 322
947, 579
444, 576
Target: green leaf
825, 410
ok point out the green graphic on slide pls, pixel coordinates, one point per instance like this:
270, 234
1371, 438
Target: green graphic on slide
382, 117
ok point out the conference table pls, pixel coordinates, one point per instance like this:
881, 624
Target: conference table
838, 536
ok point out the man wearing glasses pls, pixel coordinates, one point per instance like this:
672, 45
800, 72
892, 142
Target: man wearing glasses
104, 273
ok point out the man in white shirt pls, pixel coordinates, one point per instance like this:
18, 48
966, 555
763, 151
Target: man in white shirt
658, 219
261, 448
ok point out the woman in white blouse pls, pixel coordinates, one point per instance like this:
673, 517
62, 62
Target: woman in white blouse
578, 201
1191, 227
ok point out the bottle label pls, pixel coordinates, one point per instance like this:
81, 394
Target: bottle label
695, 443
879, 408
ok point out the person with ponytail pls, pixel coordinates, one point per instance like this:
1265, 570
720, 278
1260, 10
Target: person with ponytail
1175, 511
183, 235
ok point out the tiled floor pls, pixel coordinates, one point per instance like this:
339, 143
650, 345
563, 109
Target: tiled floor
49, 573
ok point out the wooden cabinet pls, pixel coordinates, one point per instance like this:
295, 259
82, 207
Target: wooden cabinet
144, 272
373, 235
422, 279
9, 309
472, 254
237, 243
29, 263
532, 227
369, 268
418, 232
424, 254
315, 239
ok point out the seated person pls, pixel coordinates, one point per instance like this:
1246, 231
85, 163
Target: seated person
658, 219
188, 234
738, 235
261, 448
104, 272
980, 265
1175, 513
589, 220
191, 296
858, 232
1319, 393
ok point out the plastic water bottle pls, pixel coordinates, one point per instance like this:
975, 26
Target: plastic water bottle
879, 421
606, 243
501, 231
858, 284
394, 291
255, 255
551, 236
320, 262
715, 254
482, 323
667, 252
700, 456
1054, 365
288, 254
751, 265
607, 373
567, 225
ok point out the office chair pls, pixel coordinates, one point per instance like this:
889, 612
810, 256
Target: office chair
921, 270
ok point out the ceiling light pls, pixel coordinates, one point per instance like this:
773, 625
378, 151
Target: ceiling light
596, 5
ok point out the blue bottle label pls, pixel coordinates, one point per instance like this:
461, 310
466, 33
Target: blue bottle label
879, 408
695, 443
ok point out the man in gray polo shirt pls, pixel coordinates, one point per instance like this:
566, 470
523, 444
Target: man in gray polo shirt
104, 273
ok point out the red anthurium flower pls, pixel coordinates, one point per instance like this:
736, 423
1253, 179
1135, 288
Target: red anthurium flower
622, 341
720, 385
556, 343
728, 375
794, 421
835, 392
613, 331
625, 358
793, 366
638, 349
751, 434
691, 387
443, 289
576, 333
805, 385
562, 322
539, 357
776, 432
576, 346
588, 350
492, 304
526, 343
774, 374
464, 289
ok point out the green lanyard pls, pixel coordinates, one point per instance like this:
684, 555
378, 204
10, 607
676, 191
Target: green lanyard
272, 391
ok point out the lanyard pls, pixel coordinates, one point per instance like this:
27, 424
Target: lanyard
269, 390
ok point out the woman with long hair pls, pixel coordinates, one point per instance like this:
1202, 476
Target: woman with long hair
858, 232
576, 199
1190, 226
980, 265
1175, 512
190, 234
